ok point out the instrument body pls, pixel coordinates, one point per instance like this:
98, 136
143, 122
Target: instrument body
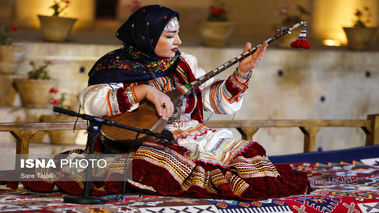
146, 117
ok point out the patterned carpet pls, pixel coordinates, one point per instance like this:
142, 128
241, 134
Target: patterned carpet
338, 187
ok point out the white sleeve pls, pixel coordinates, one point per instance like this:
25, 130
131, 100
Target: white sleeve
216, 101
101, 100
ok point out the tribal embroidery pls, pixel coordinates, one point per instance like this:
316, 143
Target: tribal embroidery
258, 166
215, 97
164, 83
224, 151
113, 103
129, 91
117, 60
196, 179
238, 184
233, 89
178, 166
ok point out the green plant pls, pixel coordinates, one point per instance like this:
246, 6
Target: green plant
5, 37
360, 15
217, 12
292, 15
59, 6
39, 73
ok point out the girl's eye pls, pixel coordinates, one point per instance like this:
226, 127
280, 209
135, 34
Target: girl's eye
169, 36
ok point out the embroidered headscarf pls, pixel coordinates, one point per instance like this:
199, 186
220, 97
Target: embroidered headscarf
137, 60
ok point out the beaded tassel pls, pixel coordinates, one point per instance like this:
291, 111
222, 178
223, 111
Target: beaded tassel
302, 40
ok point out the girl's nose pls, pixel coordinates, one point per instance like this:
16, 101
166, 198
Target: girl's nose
177, 40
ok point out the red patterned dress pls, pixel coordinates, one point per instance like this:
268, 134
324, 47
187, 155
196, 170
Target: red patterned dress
216, 165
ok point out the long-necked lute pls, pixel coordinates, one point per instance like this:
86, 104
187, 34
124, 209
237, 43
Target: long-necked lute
146, 117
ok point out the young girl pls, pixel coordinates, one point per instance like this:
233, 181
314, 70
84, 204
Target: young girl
215, 163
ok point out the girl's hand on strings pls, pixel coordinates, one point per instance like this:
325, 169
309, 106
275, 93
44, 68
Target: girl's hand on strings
251, 61
161, 101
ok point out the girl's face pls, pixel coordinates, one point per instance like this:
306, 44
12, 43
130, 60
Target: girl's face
168, 43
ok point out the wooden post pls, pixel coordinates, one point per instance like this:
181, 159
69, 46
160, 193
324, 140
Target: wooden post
372, 136
22, 143
247, 133
309, 137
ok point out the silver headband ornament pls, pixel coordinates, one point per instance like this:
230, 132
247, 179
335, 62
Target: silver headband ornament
172, 25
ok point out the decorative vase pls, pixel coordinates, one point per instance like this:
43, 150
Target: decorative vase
60, 136
10, 56
34, 93
55, 28
360, 38
216, 33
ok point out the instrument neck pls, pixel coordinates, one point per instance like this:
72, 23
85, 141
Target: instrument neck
186, 89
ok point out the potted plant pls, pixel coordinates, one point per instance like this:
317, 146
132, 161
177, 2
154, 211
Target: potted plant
360, 36
217, 29
290, 15
10, 57
10, 54
34, 89
66, 101
54, 27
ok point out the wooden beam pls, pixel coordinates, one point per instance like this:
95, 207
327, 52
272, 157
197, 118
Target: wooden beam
372, 133
247, 133
310, 138
22, 140
35, 126
287, 123
22, 144
24, 131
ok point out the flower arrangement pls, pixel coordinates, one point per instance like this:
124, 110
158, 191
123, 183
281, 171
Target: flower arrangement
5, 37
59, 6
292, 15
58, 102
39, 73
217, 12
360, 14
62, 100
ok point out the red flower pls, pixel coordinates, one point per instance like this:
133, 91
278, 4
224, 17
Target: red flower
53, 90
13, 28
54, 101
217, 11
358, 13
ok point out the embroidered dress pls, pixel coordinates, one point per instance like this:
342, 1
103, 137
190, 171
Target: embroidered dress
216, 164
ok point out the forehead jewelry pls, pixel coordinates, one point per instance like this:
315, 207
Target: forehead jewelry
172, 25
